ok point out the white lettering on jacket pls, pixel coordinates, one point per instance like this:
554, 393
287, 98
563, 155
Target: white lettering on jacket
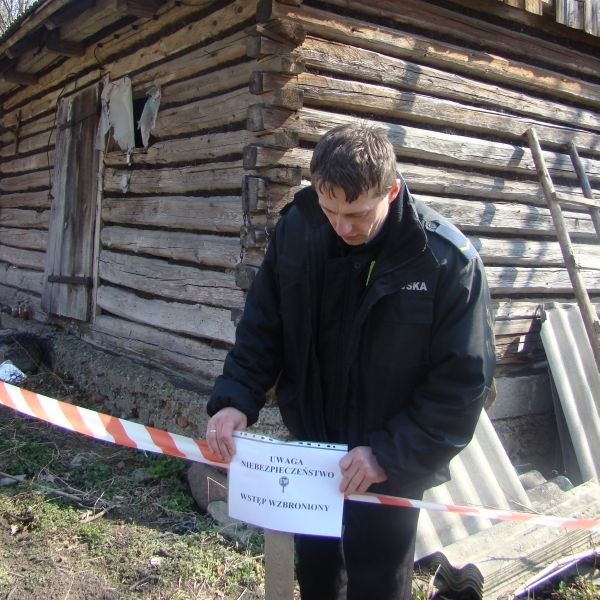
415, 286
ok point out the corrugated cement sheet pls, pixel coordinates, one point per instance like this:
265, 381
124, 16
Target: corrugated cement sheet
482, 475
577, 382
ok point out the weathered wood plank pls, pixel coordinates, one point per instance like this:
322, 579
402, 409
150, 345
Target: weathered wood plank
534, 6
510, 280
22, 279
591, 17
436, 180
325, 92
184, 180
15, 217
196, 60
506, 218
442, 181
20, 257
485, 64
180, 354
523, 252
207, 250
208, 84
28, 182
415, 143
37, 200
570, 13
218, 214
473, 216
31, 239
375, 67
167, 280
90, 16
210, 147
517, 326
219, 111
190, 319
547, 25
31, 162
527, 309
27, 136
506, 309
282, 30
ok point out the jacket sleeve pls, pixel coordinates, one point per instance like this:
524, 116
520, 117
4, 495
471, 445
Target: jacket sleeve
440, 418
253, 364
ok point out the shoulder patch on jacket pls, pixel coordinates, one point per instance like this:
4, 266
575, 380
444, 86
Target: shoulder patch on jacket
451, 233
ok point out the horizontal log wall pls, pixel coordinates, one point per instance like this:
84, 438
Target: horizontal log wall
170, 215
242, 107
456, 109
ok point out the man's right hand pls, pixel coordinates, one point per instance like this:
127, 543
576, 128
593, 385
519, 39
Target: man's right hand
219, 431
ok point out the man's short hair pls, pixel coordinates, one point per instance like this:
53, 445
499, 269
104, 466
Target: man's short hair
355, 157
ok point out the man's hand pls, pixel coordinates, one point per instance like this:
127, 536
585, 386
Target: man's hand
360, 469
219, 431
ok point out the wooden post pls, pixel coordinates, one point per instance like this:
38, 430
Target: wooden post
590, 319
279, 565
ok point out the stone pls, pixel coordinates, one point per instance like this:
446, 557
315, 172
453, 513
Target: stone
230, 528
207, 484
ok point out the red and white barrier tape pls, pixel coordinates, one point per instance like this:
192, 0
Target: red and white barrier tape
104, 427
134, 435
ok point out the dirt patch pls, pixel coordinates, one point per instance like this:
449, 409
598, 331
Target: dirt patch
95, 520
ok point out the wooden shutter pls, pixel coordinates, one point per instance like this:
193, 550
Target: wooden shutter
70, 253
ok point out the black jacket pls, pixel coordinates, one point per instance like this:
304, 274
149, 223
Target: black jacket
420, 357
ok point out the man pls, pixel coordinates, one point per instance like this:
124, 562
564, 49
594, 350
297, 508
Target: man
372, 313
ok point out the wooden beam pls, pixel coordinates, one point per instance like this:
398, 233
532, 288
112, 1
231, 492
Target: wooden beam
13, 76
55, 43
15, 217
259, 46
37, 200
31, 239
159, 277
425, 50
207, 113
193, 319
138, 8
23, 279
283, 30
534, 6
419, 106
218, 214
381, 67
184, 180
182, 355
517, 281
67, 14
20, 257
193, 248
33, 41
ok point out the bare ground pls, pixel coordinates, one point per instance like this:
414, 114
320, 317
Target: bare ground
94, 520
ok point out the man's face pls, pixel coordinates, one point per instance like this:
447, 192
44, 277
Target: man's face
359, 221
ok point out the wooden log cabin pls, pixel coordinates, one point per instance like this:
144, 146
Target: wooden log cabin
147, 148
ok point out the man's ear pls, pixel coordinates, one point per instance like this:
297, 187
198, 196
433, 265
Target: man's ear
394, 191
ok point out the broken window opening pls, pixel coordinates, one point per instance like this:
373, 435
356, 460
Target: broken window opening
129, 121
138, 108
